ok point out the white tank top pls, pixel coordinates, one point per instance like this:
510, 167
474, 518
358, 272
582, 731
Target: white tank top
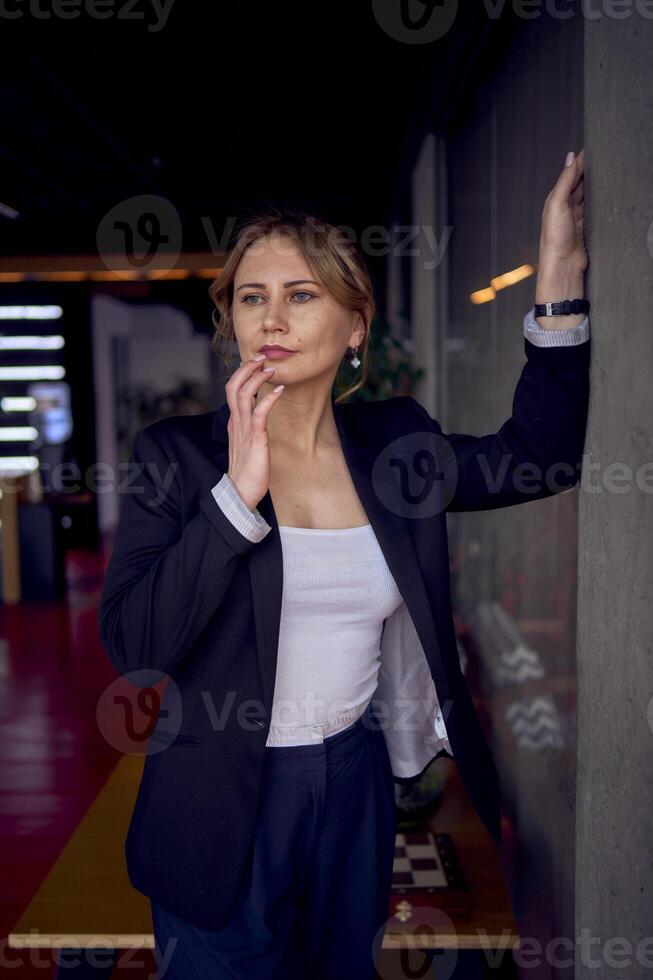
337, 591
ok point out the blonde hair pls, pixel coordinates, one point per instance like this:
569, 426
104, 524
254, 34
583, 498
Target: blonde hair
331, 256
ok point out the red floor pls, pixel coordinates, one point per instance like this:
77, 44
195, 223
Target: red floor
53, 759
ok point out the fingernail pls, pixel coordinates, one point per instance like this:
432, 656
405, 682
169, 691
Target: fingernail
569, 159
260, 357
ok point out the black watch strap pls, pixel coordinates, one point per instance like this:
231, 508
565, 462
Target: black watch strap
562, 308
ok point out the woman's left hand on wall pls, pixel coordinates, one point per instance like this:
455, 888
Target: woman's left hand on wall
563, 257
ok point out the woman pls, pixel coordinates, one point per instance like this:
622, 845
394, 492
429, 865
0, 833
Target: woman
277, 561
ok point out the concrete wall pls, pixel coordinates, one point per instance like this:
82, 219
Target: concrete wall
430, 272
514, 570
614, 821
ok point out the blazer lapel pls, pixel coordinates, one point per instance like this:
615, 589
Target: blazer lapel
392, 531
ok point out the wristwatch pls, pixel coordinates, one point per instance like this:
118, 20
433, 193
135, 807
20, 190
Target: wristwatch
562, 308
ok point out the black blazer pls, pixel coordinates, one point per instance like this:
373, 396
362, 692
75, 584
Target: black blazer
187, 594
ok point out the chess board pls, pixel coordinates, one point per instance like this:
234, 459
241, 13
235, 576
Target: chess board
426, 872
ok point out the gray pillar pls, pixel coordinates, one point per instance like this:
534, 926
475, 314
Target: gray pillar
614, 792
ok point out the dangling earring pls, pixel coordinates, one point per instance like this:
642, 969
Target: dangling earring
355, 360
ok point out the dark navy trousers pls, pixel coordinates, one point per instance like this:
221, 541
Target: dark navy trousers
315, 896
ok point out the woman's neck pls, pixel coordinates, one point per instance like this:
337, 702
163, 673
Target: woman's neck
302, 421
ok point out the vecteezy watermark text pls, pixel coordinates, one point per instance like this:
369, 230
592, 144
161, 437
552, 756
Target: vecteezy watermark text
426, 21
144, 234
144, 711
154, 12
408, 479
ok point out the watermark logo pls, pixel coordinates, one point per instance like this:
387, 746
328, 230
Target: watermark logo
141, 234
415, 21
416, 475
425, 941
129, 709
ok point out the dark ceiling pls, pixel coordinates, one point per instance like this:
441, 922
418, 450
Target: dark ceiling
227, 107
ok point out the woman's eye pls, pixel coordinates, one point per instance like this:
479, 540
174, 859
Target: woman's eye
255, 296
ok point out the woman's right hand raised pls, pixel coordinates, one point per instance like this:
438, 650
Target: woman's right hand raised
249, 450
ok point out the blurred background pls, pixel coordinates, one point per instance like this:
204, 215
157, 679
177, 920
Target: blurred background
134, 137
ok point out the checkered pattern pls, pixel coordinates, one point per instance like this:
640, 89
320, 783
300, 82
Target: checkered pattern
418, 863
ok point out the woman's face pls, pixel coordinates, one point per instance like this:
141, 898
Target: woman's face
277, 300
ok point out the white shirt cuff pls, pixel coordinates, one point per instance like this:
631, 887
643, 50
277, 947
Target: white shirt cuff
568, 337
250, 523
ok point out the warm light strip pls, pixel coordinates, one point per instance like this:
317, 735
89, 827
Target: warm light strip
30, 312
108, 276
125, 275
49, 342
510, 278
169, 274
18, 464
17, 433
45, 372
59, 276
500, 282
482, 295
106, 268
18, 403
